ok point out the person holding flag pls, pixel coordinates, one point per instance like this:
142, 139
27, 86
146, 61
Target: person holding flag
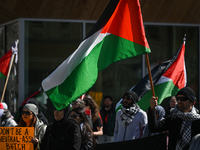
179, 122
130, 119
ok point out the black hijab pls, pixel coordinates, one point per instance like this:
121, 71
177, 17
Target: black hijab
58, 125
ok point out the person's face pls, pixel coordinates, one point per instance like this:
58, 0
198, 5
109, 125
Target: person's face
127, 101
74, 105
76, 117
173, 102
184, 104
27, 115
107, 102
58, 115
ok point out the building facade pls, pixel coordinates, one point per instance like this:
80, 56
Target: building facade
47, 38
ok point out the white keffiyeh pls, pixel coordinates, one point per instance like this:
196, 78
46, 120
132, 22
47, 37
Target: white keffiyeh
127, 114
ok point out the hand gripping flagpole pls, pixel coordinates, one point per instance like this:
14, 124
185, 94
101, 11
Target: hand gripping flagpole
14, 52
150, 77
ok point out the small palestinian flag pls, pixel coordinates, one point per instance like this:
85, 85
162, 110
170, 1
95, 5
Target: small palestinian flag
168, 77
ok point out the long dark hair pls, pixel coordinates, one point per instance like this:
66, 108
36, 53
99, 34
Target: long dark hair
86, 128
93, 106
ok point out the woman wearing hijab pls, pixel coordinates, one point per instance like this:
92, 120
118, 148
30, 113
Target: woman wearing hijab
64, 133
88, 140
29, 119
160, 113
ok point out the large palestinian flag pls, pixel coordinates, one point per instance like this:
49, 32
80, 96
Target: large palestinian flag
168, 77
4, 64
118, 34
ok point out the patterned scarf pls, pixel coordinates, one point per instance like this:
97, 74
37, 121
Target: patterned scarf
127, 114
185, 132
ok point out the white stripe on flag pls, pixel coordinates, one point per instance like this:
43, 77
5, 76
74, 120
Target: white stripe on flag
163, 79
67, 67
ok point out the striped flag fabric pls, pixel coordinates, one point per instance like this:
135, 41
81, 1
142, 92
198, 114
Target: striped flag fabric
118, 34
168, 77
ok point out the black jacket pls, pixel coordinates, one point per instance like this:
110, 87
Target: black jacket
108, 118
62, 136
173, 125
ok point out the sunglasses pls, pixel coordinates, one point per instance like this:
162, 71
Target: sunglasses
74, 116
129, 97
26, 113
181, 98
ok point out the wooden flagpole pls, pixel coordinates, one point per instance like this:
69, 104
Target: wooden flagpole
150, 77
11, 62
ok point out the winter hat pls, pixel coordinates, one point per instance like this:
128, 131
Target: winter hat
188, 92
132, 94
5, 106
1, 110
32, 107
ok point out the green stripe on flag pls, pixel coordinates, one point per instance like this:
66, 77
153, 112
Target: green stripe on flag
111, 49
116, 48
162, 91
2, 76
118, 108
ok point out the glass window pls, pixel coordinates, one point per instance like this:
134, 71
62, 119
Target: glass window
89, 27
11, 97
120, 77
2, 52
47, 45
2, 41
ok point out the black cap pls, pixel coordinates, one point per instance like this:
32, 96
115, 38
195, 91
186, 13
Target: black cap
132, 94
188, 92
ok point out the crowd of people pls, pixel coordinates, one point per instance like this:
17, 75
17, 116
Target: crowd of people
81, 125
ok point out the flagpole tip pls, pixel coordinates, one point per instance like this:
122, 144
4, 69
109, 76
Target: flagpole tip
17, 41
184, 39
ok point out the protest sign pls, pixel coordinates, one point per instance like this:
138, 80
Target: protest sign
16, 138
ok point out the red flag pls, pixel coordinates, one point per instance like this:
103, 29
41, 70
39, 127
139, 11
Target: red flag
4, 64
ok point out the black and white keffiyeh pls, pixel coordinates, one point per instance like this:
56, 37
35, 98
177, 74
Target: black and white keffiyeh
127, 114
185, 132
